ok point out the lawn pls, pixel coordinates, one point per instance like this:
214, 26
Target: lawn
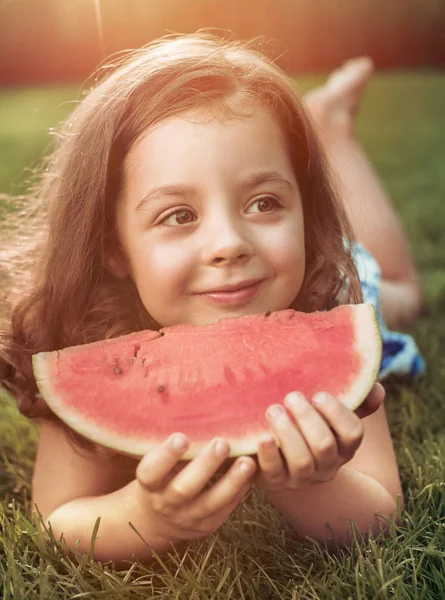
255, 555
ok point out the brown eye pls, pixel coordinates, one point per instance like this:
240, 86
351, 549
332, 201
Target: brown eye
183, 216
264, 204
179, 217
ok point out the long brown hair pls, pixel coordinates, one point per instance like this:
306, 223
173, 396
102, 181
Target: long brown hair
57, 289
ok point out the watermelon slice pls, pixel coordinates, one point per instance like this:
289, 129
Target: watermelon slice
130, 393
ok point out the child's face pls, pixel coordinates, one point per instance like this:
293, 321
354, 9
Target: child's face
222, 207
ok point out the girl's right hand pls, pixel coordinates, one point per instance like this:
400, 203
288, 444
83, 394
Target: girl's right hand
179, 506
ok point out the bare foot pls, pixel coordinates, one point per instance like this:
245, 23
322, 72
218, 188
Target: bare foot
334, 105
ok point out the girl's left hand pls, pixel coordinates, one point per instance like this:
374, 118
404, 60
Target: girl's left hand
316, 438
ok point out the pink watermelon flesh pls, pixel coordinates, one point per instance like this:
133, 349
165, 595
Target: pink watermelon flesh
131, 393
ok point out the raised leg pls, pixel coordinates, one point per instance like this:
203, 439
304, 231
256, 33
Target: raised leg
375, 223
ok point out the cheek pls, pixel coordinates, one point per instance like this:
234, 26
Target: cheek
285, 246
165, 269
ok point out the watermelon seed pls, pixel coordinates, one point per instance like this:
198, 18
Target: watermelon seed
137, 347
117, 371
161, 333
267, 314
161, 388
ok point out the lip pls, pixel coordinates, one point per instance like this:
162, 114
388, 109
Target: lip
235, 294
234, 287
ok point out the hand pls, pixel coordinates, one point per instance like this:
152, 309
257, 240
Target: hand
316, 439
372, 402
179, 502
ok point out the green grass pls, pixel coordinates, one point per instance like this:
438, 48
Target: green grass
255, 555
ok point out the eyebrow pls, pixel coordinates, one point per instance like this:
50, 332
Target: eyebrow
186, 191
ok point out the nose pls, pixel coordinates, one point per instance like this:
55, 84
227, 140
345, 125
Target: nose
225, 243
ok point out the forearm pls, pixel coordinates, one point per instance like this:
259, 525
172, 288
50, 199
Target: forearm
116, 539
350, 496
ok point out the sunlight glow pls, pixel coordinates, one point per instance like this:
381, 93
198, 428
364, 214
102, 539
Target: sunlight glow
100, 31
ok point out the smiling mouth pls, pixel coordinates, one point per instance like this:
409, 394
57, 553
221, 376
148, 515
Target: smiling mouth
235, 296
234, 287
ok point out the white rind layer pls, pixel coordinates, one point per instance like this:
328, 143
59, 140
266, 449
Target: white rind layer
368, 345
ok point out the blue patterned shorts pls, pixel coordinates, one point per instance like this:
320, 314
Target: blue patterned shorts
400, 353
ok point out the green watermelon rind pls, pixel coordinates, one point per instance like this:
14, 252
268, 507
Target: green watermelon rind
368, 344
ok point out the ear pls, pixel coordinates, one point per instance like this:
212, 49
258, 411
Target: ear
116, 262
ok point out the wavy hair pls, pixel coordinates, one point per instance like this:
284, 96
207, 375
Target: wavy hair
57, 290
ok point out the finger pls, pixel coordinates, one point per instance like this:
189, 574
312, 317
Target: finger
299, 460
155, 467
230, 489
270, 461
210, 520
372, 402
316, 432
346, 425
195, 476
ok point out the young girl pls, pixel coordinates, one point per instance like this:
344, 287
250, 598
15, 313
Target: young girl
190, 185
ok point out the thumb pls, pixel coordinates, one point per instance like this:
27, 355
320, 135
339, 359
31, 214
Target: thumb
372, 402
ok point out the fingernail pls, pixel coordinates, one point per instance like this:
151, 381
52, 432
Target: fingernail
321, 398
267, 439
245, 466
221, 448
296, 401
275, 412
179, 442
